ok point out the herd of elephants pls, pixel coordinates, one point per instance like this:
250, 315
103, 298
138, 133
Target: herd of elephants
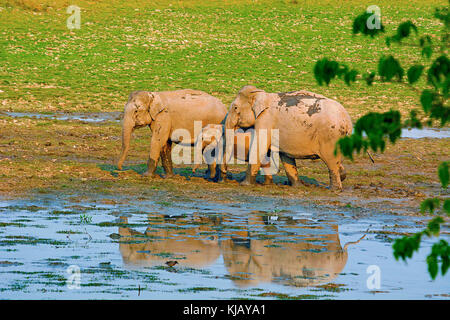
307, 126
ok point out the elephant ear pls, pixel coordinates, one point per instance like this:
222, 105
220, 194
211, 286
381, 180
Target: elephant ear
156, 105
259, 103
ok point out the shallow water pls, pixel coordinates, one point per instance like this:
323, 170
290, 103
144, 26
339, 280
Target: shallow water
439, 133
85, 117
223, 251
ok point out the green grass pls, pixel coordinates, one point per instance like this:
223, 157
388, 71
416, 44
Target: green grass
214, 46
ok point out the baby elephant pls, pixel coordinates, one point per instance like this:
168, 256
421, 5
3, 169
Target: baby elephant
212, 141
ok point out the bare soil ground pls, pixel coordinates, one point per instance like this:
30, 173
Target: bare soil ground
73, 157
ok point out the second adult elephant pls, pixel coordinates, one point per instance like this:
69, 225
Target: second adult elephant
164, 112
309, 126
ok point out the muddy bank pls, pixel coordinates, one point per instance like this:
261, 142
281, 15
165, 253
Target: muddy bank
44, 156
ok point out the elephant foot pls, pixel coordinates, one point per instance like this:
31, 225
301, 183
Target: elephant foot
248, 181
268, 180
150, 175
335, 188
209, 176
342, 173
168, 175
220, 177
168, 172
151, 169
297, 183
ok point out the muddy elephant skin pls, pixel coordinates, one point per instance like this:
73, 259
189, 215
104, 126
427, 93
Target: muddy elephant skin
164, 112
308, 124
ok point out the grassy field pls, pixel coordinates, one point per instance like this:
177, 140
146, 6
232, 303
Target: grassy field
215, 46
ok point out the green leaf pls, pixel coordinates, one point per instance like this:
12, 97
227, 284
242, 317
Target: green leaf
350, 76
325, 70
440, 250
446, 206
432, 266
426, 45
389, 67
369, 78
414, 73
434, 226
413, 121
439, 72
404, 29
427, 51
429, 205
368, 24
426, 99
443, 172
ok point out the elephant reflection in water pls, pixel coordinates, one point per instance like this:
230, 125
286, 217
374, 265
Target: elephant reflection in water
301, 261
189, 244
305, 262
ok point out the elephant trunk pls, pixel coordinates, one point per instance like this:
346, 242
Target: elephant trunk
127, 130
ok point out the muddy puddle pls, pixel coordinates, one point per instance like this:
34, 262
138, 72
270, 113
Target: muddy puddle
94, 117
58, 248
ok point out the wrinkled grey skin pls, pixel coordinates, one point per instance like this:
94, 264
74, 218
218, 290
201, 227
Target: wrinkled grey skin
164, 112
309, 126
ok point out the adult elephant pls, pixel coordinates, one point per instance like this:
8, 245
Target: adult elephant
309, 126
164, 112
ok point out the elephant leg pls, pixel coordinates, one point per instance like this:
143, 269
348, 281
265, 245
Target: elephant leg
250, 175
194, 169
166, 159
211, 172
159, 140
334, 167
212, 167
249, 178
342, 172
152, 164
261, 153
220, 173
268, 179
291, 169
